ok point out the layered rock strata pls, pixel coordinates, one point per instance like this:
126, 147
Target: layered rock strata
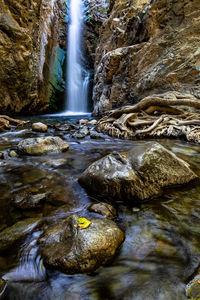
147, 47
31, 53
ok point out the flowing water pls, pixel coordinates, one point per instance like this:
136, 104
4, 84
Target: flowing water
77, 76
161, 250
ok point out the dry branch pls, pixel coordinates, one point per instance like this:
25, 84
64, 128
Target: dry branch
6, 122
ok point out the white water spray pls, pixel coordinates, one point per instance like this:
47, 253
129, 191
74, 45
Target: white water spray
77, 77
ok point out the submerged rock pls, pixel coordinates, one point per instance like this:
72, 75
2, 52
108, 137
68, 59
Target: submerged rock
11, 235
26, 200
78, 135
54, 163
138, 174
95, 135
41, 127
70, 249
64, 127
42, 145
84, 131
103, 209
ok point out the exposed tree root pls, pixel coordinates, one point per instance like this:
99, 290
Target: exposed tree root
6, 122
155, 116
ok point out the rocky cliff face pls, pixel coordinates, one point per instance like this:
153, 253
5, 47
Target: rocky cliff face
147, 47
31, 53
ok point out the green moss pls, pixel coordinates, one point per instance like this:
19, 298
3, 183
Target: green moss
56, 86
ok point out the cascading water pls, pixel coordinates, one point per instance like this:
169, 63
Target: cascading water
77, 77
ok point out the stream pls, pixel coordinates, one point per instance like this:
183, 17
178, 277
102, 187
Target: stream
161, 251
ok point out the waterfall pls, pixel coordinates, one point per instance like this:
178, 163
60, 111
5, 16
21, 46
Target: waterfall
77, 83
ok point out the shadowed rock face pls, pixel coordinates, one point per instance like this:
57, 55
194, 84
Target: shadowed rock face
73, 250
29, 44
147, 47
138, 174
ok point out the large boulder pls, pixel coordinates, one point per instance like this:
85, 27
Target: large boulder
71, 249
42, 145
139, 173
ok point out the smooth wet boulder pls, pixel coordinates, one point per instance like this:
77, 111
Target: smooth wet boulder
54, 163
103, 209
42, 145
11, 235
68, 248
139, 173
40, 127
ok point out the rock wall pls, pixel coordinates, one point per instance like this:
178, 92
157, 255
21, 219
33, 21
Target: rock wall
30, 40
147, 47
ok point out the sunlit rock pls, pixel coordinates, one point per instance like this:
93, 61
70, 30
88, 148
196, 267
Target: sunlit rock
41, 127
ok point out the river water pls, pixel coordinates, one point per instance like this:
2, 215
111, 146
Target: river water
161, 250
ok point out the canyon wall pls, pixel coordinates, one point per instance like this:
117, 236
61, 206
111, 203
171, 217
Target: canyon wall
31, 54
147, 47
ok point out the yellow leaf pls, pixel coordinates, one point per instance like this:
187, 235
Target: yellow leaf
124, 156
83, 223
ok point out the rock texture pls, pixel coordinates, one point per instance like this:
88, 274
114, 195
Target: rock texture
103, 209
138, 174
11, 235
193, 288
40, 127
42, 145
70, 249
95, 15
31, 51
147, 47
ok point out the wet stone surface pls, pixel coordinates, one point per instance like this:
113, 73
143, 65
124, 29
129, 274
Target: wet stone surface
161, 251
